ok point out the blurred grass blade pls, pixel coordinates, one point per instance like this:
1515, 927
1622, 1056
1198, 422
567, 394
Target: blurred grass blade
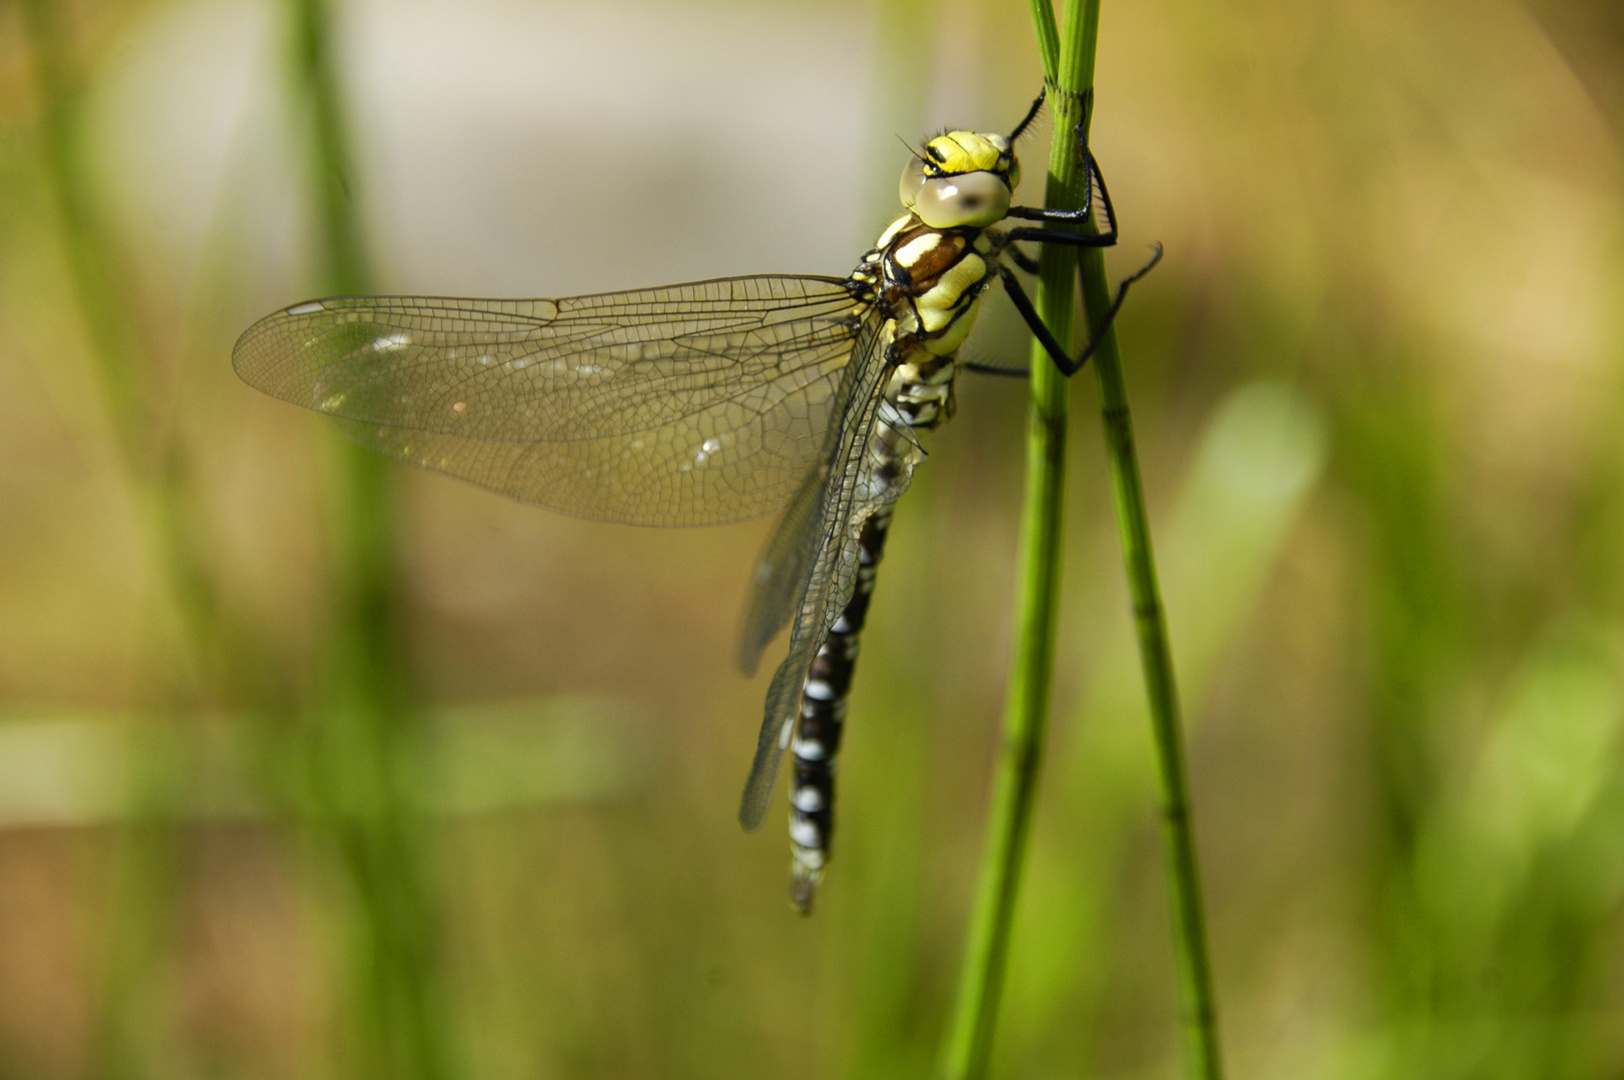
101, 283
71, 770
1543, 767
365, 756
179, 663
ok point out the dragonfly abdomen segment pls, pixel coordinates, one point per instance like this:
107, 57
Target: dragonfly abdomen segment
823, 715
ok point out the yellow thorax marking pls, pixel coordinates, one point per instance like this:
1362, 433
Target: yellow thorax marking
918, 248
936, 307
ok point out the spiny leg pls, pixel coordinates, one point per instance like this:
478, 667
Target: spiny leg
1105, 238
1081, 216
823, 714
1056, 351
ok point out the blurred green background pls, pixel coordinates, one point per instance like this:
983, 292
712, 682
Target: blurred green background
315, 767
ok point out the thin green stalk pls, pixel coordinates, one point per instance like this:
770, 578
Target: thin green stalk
1068, 67
1069, 71
1197, 1009
1198, 1013
366, 757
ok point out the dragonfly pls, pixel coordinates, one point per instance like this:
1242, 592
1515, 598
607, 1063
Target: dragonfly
716, 401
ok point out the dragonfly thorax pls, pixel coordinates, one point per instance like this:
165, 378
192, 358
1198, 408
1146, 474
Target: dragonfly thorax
928, 282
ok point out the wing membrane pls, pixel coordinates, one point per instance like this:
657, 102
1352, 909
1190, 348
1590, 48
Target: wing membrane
782, 570
850, 485
687, 405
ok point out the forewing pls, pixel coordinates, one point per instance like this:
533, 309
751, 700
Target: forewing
687, 405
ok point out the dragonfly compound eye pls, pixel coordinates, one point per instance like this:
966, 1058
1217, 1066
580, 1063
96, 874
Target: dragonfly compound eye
975, 199
913, 177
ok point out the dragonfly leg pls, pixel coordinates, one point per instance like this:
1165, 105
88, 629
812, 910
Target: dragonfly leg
995, 369
1079, 216
1040, 330
1059, 236
1021, 259
1045, 336
823, 714
1031, 115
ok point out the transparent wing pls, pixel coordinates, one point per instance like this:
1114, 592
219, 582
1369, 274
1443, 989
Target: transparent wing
688, 405
783, 569
810, 568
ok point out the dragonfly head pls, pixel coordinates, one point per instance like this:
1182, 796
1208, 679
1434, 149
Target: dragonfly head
961, 179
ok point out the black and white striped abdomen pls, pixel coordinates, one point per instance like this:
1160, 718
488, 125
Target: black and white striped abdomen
822, 718
931, 280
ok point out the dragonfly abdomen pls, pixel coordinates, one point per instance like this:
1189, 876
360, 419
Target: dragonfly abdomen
931, 281
823, 716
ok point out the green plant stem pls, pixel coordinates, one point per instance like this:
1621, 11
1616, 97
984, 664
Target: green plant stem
366, 758
1068, 66
1197, 1009
1069, 71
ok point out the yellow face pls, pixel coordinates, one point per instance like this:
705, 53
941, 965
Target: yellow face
962, 179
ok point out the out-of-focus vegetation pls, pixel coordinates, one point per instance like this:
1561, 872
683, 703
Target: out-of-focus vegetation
1377, 379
